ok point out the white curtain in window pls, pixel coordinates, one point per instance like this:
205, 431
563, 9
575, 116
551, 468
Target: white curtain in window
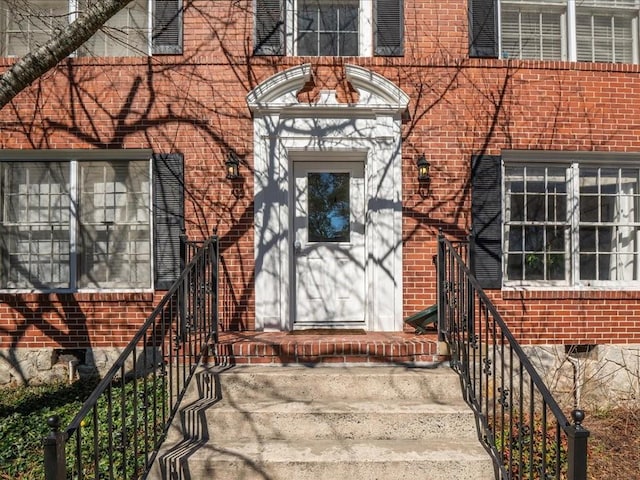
34, 225
624, 265
115, 225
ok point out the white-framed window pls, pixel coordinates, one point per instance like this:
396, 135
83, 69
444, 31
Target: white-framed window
141, 28
574, 224
575, 30
329, 27
68, 225
126, 34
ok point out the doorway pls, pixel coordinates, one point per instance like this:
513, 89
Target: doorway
328, 244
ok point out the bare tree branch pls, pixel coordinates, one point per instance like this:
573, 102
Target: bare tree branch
64, 42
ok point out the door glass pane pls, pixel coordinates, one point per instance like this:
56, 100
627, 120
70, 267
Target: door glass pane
328, 207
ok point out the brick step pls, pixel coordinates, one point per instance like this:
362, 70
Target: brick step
282, 348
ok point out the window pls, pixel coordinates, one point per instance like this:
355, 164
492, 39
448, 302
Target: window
109, 237
550, 208
329, 27
532, 33
87, 224
609, 224
27, 25
580, 30
607, 36
561, 221
536, 223
125, 35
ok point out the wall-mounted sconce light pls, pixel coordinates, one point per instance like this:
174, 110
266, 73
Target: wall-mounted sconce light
423, 169
231, 165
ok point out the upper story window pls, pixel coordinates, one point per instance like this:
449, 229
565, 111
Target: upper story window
329, 27
574, 30
136, 30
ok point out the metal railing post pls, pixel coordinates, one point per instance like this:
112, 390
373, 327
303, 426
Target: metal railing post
54, 451
577, 437
440, 284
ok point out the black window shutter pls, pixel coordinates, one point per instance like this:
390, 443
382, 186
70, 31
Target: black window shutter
483, 28
167, 27
486, 220
269, 27
389, 28
168, 214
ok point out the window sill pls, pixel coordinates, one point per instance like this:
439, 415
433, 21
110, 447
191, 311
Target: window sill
554, 65
10, 296
570, 293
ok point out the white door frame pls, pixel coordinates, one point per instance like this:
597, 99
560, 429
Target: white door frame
369, 131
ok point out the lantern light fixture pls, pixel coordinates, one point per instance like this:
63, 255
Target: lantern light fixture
423, 169
231, 165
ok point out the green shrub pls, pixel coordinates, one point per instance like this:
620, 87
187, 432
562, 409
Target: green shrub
23, 425
528, 449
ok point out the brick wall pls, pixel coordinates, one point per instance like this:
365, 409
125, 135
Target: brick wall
195, 104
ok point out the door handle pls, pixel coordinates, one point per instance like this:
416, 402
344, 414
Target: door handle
297, 246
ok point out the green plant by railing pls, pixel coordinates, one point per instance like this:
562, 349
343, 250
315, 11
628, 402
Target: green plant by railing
23, 411
531, 449
116, 424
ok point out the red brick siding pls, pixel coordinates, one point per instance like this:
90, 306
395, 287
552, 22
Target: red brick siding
72, 320
195, 104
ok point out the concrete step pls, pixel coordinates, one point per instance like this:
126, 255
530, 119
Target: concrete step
329, 460
410, 420
323, 422
342, 383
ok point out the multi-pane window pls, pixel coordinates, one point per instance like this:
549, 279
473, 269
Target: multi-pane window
24, 26
609, 224
23, 30
536, 230
603, 36
114, 216
575, 224
327, 28
35, 225
68, 225
532, 33
580, 30
126, 34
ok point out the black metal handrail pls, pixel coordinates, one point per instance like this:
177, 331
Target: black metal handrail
118, 430
520, 422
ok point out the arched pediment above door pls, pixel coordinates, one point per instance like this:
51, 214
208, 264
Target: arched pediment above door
280, 92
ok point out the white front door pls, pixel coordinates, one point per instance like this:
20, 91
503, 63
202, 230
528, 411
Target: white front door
328, 244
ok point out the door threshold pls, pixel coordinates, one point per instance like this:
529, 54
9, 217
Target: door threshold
328, 331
